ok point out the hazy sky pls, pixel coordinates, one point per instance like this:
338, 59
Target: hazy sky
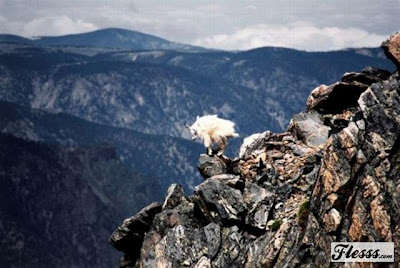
230, 24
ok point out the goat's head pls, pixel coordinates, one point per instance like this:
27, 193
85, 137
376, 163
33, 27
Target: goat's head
193, 132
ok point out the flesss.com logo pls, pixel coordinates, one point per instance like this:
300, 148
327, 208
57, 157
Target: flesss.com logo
362, 252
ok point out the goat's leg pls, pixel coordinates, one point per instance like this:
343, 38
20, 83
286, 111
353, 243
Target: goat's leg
222, 143
208, 144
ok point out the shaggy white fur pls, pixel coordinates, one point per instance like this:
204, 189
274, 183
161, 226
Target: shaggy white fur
212, 129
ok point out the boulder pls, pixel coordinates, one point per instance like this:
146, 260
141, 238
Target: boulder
367, 77
128, 238
232, 180
376, 73
309, 128
211, 165
219, 202
335, 98
359, 79
254, 144
392, 49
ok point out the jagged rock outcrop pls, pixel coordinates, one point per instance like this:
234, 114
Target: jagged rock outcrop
209, 166
128, 237
391, 48
333, 176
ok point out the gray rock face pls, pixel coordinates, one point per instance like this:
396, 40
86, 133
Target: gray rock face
332, 177
175, 195
392, 49
310, 128
232, 251
128, 238
219, 202
380, 106
367, 77
196, 239
376, 73
259, 202
211, 165
341, 96
335, 98
231, 180
192, 244
253, 144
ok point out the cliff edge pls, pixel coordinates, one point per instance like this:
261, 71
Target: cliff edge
334, 175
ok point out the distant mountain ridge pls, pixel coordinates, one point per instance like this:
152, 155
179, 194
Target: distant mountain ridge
149, 155
104, 38
157, 92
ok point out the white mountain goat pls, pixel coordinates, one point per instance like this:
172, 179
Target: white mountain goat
212, 129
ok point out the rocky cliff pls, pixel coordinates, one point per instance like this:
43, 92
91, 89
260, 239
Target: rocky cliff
332, 176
